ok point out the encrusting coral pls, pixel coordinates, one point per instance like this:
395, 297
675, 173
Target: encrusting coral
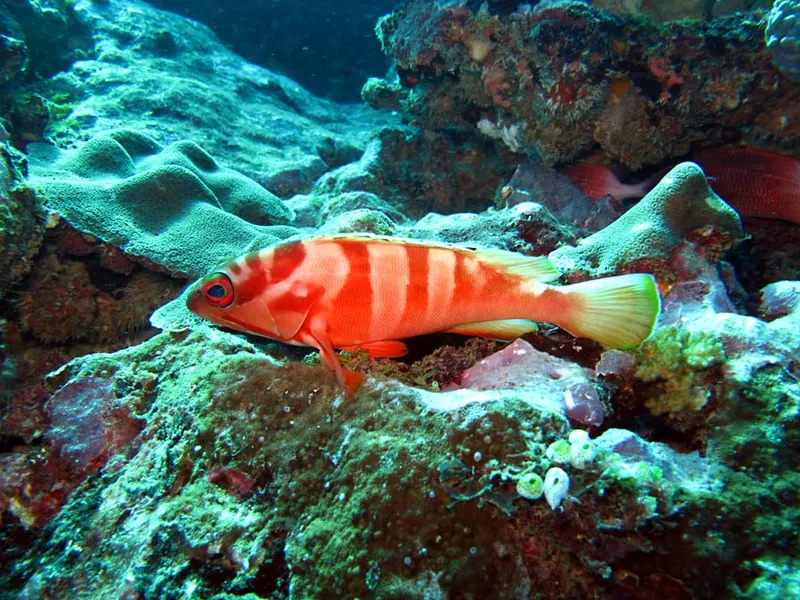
676, 359
21, 219
61, 301
557, 79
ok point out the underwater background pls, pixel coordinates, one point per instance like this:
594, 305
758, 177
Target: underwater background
148, 453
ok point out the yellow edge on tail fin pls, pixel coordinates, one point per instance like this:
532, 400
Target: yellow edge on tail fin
619, 312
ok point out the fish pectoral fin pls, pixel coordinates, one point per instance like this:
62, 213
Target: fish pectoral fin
349, 380
290, 322
290, 310
505, 330
382, 349
535, 268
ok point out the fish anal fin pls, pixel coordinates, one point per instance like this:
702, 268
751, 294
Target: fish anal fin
535, 268
381, 349
505, 330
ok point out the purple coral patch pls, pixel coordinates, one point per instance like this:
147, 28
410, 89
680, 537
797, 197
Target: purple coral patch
88, 425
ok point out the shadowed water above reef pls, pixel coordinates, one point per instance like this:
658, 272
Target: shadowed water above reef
329, 48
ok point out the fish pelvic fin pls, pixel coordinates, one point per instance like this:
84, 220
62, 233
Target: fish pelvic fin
382, 349
352, 381
318, 337
619, 312
535, 268
506, 330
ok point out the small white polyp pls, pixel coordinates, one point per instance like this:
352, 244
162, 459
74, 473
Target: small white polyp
556, 486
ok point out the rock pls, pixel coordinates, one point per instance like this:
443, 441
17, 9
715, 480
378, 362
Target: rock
533, 182
560, 384
176, 81
21, 220
780, 299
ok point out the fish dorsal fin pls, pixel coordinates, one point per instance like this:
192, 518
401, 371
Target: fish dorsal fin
385, 239
536, 268
507, 330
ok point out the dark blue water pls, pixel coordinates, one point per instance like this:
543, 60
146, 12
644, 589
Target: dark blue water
328, 47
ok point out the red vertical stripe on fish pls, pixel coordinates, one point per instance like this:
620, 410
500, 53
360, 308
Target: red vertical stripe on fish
417, 289
285, 259
356, 297
254, 279
464, 287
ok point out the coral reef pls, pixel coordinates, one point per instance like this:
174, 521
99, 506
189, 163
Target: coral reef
677, 359
457, 176
558, 79
783, 36
43, 37
124, 189
21, 220
682, 9
171, 79
681, 203
197, 462
308, 481
61, 302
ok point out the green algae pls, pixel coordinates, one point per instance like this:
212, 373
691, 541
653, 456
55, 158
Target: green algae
675, 358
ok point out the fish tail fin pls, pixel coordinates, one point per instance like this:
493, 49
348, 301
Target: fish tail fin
619, 312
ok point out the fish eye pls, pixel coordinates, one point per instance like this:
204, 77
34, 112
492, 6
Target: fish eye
218, 290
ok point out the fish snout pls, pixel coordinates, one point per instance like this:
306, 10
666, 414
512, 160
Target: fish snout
195, 301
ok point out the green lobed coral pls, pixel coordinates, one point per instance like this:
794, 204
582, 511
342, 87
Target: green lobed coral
173, 206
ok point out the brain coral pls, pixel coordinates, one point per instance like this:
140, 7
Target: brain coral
173, 206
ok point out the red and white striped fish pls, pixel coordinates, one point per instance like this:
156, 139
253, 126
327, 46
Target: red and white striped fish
365, 292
